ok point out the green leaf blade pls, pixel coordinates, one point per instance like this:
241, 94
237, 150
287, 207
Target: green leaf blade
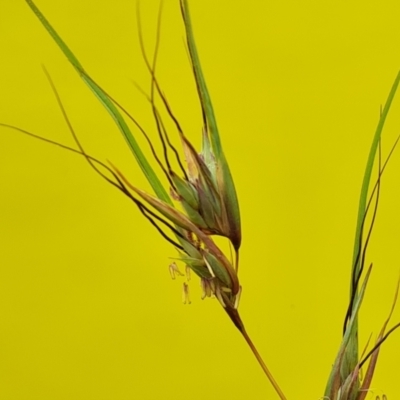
351, 355
205, 98
227, 187
109, 106
369, 167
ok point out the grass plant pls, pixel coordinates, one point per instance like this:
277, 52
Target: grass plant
199, 202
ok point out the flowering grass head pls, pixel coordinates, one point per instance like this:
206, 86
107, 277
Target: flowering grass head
201, 199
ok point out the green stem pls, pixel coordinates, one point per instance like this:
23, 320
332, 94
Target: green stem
262, 364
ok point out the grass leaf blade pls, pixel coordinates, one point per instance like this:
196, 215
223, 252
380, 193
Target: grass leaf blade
205, 99
369, 167
108, 104
351, 355
227, 187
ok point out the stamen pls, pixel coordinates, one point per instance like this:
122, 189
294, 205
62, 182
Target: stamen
203, 285
219, 296
188, 271
174, 270
212, 285
185, 294
207, 287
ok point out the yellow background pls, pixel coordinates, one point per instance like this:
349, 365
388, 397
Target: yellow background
87, 306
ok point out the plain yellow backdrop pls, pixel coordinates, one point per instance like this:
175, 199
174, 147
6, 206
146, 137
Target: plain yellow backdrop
87, 306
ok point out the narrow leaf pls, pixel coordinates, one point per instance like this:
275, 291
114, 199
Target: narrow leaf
369, 167
200, 81
229, 191
108, 104
352, 352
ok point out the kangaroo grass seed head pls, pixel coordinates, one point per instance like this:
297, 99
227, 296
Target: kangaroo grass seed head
199, 252
204, 190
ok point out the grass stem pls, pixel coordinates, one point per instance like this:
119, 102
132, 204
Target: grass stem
263, 365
